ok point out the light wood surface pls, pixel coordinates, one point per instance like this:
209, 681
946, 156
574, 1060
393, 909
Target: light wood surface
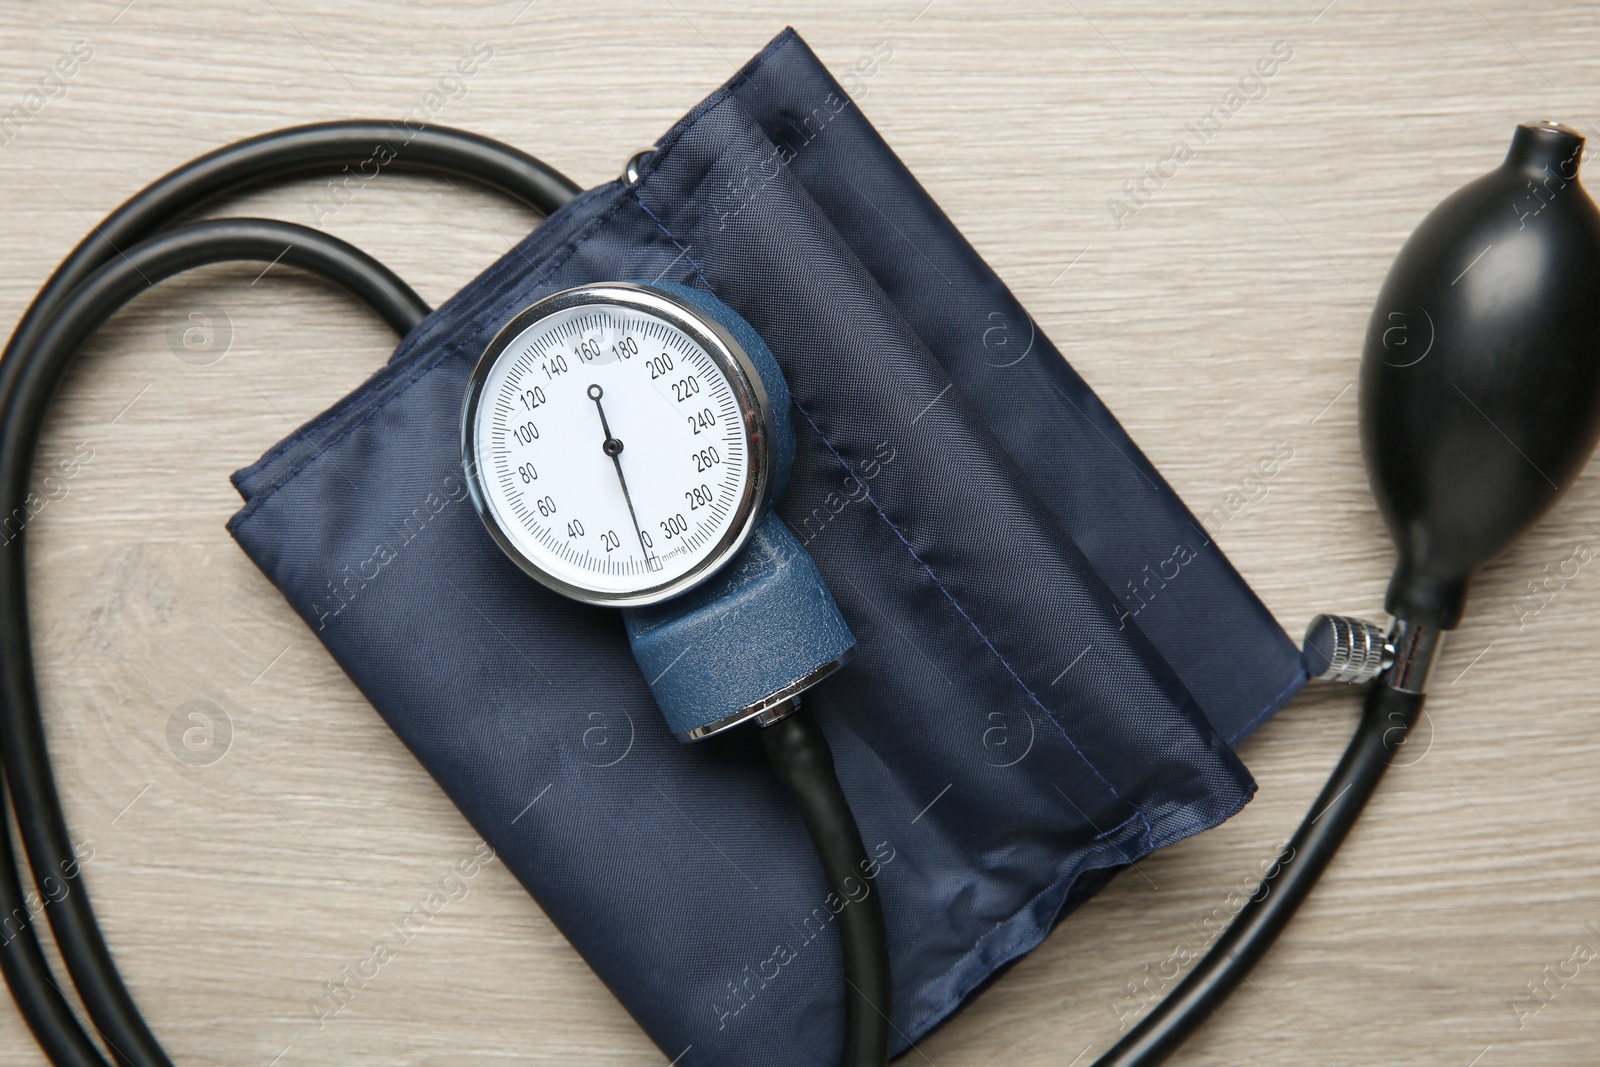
1222, 319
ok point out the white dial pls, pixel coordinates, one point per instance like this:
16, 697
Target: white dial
614, 438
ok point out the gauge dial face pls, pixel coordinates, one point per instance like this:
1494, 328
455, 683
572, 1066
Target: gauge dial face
614, 442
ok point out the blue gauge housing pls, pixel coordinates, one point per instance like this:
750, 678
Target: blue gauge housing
764, 627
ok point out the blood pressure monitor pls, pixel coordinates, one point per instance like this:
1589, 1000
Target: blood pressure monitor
624, 444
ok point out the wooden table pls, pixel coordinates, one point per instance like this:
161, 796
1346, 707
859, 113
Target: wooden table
1220, 320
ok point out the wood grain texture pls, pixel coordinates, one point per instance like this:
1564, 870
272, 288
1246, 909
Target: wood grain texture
1222, 319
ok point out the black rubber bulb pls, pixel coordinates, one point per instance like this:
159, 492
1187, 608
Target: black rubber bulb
1480, 379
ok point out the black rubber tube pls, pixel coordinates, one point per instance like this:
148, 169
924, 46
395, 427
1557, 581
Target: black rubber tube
26, 401
799, 753
1386, 720
364, 147
358, 149
28, 975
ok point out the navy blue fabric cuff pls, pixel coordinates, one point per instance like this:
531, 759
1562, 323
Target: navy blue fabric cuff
1028, 712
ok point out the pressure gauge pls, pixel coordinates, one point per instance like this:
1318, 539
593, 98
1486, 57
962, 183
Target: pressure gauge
617, 443
623, 444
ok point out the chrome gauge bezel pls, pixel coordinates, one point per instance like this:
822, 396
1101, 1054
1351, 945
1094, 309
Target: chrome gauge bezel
755, 411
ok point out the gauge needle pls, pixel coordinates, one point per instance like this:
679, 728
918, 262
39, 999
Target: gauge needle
612, 447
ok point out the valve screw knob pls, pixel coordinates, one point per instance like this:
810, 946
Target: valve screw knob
1339, 648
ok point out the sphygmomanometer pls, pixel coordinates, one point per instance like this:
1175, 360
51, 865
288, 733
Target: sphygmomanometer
752, 438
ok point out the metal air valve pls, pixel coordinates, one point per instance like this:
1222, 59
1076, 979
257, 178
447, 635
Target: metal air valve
1341, 648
